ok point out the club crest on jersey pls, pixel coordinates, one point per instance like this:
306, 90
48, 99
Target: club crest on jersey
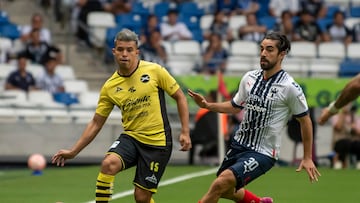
145, 78
273, 92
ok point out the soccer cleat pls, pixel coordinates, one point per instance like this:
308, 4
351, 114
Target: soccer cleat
266, 200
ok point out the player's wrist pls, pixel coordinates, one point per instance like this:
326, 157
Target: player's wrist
332, 108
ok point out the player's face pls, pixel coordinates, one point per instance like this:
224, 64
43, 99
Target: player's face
269, 54
126, 54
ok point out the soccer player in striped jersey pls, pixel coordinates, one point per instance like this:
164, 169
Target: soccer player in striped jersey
138, 88
269, 96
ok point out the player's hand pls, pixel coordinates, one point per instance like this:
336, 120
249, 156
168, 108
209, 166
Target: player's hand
185, 142
325, 115
310, 168
198, 98
61, 156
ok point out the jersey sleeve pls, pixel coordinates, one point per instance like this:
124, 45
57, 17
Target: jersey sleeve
241, 95
167, 82
105, 105
296, 100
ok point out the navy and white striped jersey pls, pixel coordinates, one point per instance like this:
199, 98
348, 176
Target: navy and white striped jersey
269, 104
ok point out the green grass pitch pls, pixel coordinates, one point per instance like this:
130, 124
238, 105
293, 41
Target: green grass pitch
76, 184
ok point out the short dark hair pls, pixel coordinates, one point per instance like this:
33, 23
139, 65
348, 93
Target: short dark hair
283, 44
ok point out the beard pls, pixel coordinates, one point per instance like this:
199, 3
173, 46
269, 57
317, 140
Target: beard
267, 65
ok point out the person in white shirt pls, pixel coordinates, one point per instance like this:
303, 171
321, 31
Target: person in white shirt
174, 30
37, 22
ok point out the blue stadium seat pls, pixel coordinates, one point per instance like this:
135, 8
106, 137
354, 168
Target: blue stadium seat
268, 21
10, 30
129, 20
349, 68
331, 9
197, 35
191, 21
161, 9
355, 11
324, 22
264, 8
190, 9
4, 18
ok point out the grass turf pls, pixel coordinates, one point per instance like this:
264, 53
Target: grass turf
77, 184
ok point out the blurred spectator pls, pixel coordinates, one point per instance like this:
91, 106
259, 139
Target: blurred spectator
306, 29
252, 31
117, 6
84, 7
152, 50
337, 31
220, 26
277, 7
37, 51
152, 24
215, 56
245, 7
50, 81
356, 32
20, 79
346, 137
227, 6
285, 25
316, 8
174, 30
37, 22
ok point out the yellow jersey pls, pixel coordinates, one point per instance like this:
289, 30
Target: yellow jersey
141, 99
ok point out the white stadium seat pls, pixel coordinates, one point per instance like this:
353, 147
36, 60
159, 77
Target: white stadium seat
99, 22
303, 49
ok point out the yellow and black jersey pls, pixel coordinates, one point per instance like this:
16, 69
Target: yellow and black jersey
141, 100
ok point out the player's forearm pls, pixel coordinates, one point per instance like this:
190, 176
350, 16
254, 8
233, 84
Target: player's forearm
349, 93
307, 138
222, 107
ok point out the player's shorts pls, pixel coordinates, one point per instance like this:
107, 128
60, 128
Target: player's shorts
150, 161
247, 165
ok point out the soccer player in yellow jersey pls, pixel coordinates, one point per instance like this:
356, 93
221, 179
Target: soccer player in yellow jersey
137, 87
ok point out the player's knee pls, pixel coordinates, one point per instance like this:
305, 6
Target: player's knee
142, 196
111, 165
224, 182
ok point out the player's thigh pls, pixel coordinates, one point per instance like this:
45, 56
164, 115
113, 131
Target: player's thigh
249, 166
151, 166
126, 150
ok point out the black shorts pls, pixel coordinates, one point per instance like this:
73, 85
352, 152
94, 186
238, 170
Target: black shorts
247, 165
150, 161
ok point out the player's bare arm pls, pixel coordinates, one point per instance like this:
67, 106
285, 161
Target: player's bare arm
183, 111
348, 94
307, 138
220, 107
90, 132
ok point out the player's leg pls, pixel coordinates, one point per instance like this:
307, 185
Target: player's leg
151, 166
119, 157
249, 166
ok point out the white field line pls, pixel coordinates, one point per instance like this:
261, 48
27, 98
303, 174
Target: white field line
167, 182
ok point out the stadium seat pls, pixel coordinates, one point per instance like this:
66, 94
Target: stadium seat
354, 11
322, 69
129, 20
43, 99
206, 21
12, 97
4, 18
350, 22
353, 51
190, 9
295, 67
99, 22
236, 21
35, 69
334, 50
30, 115
181, 67
6, 69
57, 115
161, 9
244, 48
349, 68
76, 86
10, 30
324, 22
5, 47
303, 49
66, 72
87, 100
191, 21
268, 21
8, 115
197, 35
187, 47
234, 67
